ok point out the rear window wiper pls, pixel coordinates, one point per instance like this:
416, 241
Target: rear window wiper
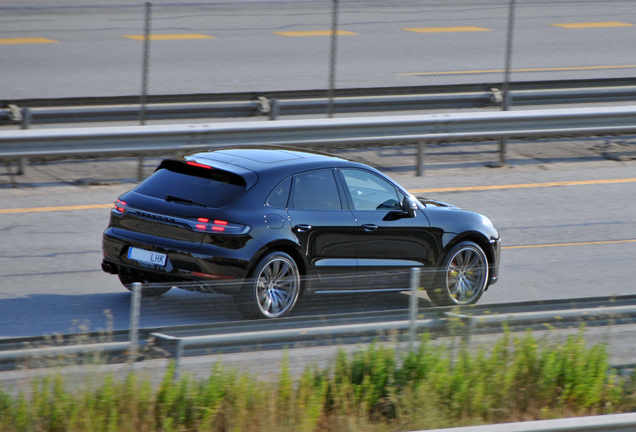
172, 198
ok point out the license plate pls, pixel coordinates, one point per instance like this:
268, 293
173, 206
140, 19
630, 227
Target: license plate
147, 257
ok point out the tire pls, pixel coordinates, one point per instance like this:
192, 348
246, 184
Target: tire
272, 288
462, 277
127, 281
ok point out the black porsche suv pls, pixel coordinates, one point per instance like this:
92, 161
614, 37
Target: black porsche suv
268, 224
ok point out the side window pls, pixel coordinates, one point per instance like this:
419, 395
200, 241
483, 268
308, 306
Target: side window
315, 190
370, 192
278, 197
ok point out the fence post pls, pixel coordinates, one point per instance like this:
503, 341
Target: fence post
332, 62
414, 303
135, 305
146, 59
506, 84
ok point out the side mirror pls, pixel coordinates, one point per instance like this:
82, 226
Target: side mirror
409, 207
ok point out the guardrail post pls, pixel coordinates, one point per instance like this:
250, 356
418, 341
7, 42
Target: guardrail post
414, 303
332, 62
135, 305
177, 359
146, 59
27, 118
22, 163
421, 156
274, 109
140, 168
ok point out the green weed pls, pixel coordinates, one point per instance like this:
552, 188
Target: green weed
375, 389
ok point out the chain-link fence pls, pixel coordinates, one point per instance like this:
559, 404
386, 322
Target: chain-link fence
219, 47
162, 48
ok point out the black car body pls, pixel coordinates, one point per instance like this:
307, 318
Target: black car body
266, 225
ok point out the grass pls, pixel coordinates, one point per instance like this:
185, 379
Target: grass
375, 389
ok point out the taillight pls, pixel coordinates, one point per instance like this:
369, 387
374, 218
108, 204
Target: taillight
120, 206
220, 226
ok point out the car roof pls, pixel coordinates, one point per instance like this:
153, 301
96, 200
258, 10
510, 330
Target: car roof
261, 160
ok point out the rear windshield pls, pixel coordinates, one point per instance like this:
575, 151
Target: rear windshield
178, 182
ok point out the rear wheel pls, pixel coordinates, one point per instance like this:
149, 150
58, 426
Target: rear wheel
272, 288
128, 280
462, 278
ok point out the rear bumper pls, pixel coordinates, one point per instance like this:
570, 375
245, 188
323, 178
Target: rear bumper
209, 265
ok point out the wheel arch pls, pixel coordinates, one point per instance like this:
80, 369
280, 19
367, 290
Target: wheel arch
477, 238
289, 248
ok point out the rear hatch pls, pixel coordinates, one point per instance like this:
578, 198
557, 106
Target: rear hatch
173, 206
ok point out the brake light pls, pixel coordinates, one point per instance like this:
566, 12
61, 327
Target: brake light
198, 165
220, 226
120, 206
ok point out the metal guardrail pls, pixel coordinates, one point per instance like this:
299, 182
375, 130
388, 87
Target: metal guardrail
550, 85
444, 323
313, 102
420, 128
601, 423
351, 328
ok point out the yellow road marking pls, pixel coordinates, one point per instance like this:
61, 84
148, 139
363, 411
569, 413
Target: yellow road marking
58, 208
33, 40
524, 185
170, 37
445, 29
314, 33
520, 70
452, 189
592, 25
570, 244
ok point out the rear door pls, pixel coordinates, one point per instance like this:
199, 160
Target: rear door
325, 227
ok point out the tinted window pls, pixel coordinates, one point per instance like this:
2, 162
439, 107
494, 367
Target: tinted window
370, 192
278, 197
209, 187
315, 190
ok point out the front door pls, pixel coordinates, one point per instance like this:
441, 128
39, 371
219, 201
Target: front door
390, 243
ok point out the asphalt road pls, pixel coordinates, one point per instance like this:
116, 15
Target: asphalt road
229, 47
560, 241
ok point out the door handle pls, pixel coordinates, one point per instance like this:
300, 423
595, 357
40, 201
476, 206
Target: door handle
302, 228
369, 227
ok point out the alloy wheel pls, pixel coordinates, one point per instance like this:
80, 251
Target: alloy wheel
466, 275
277, 287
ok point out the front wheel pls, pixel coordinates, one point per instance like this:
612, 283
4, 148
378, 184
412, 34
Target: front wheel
272, 288
462, 278
127, 281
